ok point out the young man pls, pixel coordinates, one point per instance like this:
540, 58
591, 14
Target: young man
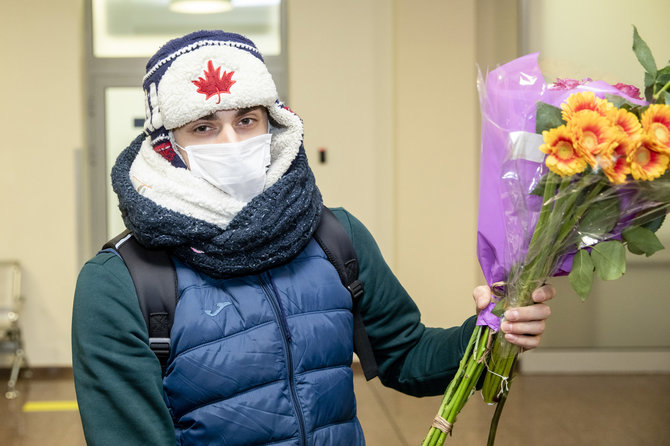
262, 336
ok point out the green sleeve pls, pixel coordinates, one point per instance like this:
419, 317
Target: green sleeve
412, 358
117, 376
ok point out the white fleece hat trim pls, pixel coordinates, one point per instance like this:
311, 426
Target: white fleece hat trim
178, 190
209, 79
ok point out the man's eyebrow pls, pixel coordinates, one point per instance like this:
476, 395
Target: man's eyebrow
210, 117
244, 111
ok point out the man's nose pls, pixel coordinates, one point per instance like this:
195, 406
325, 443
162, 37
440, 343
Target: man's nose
228, 134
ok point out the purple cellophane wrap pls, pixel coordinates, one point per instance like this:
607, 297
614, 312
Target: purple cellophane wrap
508, 211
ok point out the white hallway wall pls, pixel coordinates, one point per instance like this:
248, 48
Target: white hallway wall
41, 122
390, 86
578, 39
411, 65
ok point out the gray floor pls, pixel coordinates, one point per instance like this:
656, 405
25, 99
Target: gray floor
541, 410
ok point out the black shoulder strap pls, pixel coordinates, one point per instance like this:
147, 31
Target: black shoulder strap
155, 280
337, 245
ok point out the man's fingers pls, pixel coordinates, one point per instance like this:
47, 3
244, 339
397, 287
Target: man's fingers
482, 296
525, 342
532, 328
524, 326
544, 293
535, 312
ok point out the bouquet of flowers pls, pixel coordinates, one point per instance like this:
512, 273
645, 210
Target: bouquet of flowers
572, 174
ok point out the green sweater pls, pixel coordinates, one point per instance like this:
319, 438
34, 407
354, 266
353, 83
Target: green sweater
118, 378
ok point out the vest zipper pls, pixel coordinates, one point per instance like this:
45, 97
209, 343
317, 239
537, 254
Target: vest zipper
266, 281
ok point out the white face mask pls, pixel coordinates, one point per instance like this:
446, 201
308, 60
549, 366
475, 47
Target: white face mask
237, 168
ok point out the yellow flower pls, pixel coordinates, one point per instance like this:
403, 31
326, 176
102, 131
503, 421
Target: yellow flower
627, 123
656, 124
562, 158
585, 100
593, 134
614, 164
614, 161
647, 162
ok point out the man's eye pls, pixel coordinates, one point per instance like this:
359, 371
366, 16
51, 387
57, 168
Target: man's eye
246, 121
201, 128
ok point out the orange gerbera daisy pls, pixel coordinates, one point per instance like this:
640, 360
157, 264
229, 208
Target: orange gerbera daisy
562, 157
585, 100
647, 162
593, 134
627, 123
656, 123
614, 164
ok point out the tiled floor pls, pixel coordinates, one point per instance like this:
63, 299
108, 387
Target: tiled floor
57, 428
541, 410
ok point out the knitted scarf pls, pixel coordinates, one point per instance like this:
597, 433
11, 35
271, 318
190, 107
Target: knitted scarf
268, 231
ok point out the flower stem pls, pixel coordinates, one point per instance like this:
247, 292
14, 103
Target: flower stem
496, 418
497, 379
562, 196
461, 387
434, 433
569, 224
553, 181
658, 94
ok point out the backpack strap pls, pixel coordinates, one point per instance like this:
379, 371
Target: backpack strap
335, 242
155, 280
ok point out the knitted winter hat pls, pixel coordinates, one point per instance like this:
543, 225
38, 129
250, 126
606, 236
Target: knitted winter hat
201, 73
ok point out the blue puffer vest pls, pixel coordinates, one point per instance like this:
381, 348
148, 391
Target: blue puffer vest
264, 359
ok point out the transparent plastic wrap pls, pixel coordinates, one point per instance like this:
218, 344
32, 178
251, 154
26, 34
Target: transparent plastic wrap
533, 220
571, 175
512, 166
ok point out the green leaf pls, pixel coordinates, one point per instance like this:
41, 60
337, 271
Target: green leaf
661, 84
633, 250
547, 117
581, 274
618, 101
649, 82
656, 223
601, 218
609, 259
663, 76
499, 309
643, 53
658, 191
642, 239
666, 98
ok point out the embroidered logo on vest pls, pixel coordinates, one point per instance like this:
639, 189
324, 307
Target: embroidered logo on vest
214, 83
219, 306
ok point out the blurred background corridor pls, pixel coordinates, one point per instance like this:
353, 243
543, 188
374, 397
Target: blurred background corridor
388, 94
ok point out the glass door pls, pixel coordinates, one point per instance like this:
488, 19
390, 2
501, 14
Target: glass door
124, 120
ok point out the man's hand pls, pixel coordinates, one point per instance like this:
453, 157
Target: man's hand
522, 326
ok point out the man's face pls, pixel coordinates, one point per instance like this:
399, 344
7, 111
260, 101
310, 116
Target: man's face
223, 126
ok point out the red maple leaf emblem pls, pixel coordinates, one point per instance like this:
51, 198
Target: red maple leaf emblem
213, 83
